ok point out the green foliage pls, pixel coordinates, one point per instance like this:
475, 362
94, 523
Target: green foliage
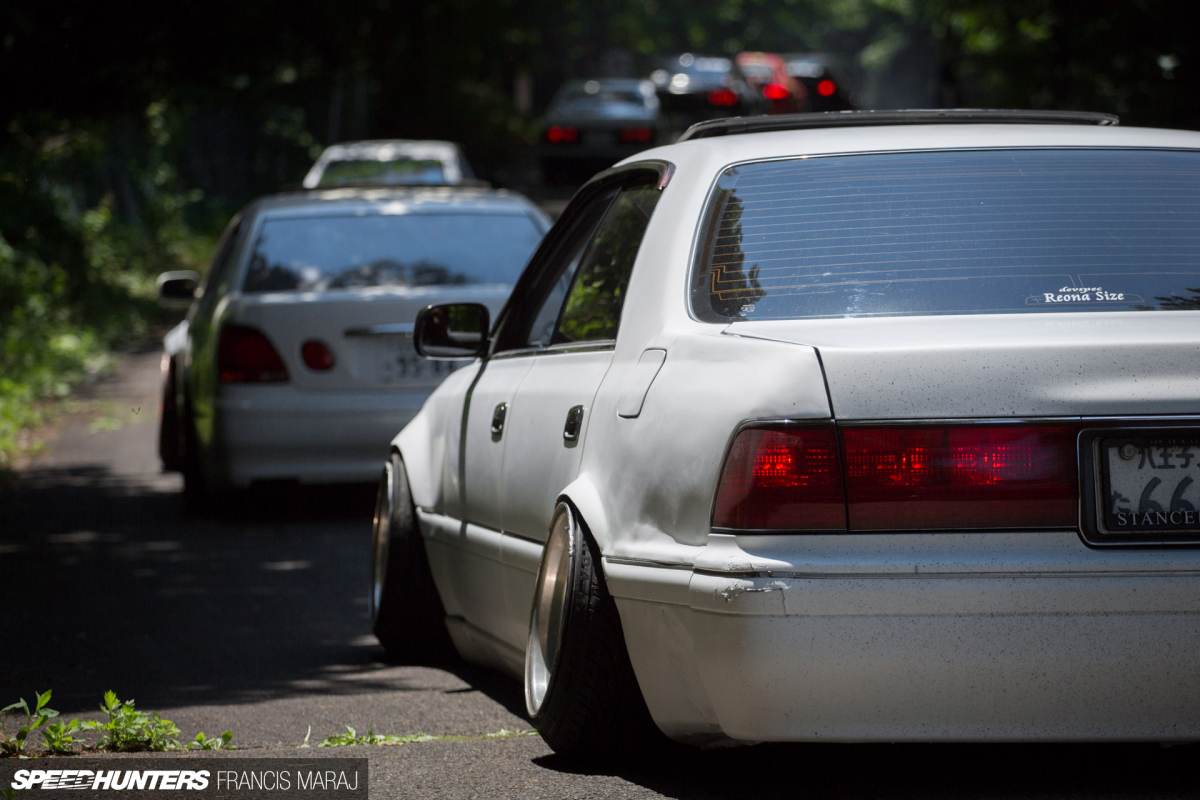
58, 736
14, 745
203, 742
130, 730
77, 265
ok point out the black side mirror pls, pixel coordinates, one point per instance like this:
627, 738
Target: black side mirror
177, 289
453, 331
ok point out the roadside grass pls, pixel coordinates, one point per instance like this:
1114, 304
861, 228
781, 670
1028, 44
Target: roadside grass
127, 730
351, 738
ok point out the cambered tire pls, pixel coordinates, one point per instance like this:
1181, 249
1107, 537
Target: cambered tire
407, 615
197, 499
580, 691
170, 440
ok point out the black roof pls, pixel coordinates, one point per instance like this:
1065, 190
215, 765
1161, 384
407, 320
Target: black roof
844, 119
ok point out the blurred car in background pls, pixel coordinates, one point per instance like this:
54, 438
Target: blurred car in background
391, 162
296, 360
768, 73
823, 79
593, 124
694, 88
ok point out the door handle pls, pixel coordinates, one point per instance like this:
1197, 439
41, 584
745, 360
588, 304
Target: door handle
574, 424
498, 419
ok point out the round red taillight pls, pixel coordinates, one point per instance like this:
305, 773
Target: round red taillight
826, 88
317, 355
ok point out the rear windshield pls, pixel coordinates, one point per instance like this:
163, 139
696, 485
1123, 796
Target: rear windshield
397, 172
324, 253
582, 100
952, 233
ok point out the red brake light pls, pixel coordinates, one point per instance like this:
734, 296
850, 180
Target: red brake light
637, 135
246, 355
561, 134
782, 479
776, 91
968, 476
899, 477
723, 97
316, 355
826, 88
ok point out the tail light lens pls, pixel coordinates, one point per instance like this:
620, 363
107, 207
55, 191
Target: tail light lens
722, 97
562, 134
317, 355
776, 91
826, 88
637, 135
965, 477
246, 355
970, 476
782, 479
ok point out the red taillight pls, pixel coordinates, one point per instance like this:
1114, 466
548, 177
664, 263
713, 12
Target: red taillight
826, 88
637, 135
968, 476
246, 355
723, 97
900, 477
316, 355
781, 479
562, 134
776, 91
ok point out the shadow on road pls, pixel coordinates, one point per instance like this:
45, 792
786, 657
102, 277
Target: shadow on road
917, 771
108, 585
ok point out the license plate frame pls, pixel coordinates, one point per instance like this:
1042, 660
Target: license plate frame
1099, 448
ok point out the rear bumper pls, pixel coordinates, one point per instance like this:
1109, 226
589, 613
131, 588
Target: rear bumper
282, 433
918, 637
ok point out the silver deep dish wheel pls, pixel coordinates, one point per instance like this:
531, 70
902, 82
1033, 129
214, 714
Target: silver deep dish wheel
384, 498
549, 608
406, 612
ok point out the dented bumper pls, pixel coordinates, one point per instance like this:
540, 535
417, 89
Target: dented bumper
919, 637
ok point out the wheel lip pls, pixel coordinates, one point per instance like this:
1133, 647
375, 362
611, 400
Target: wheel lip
380, 531
538, 676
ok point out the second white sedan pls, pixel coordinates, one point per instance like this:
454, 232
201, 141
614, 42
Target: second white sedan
296, 360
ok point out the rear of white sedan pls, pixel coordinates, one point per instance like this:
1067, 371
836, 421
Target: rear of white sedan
298, 362
882, 427
965, 506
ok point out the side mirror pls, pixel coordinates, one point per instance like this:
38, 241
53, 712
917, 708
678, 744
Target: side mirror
178, 289
453, 331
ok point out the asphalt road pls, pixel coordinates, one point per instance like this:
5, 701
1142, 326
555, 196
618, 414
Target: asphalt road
256, 623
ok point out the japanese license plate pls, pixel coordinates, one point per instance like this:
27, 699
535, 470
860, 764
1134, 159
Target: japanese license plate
1149, 484
392, 361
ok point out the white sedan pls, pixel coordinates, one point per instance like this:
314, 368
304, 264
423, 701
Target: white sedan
859, 427
296, 360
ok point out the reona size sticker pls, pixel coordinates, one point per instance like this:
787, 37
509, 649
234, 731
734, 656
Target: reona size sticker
1082, 294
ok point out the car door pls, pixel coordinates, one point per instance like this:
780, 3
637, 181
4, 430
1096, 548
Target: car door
477, 572
547, 422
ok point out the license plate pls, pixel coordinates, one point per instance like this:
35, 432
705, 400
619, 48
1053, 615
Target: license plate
392, 361
1150, 484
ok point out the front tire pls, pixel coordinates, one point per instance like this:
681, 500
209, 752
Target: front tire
407, 615
580, 690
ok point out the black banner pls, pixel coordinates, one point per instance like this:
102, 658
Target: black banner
235, 778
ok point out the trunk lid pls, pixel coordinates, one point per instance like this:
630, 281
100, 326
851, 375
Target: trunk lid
1079, 364
369, 332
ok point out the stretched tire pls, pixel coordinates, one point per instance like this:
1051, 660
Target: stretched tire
170, 444
580, 690
407, 615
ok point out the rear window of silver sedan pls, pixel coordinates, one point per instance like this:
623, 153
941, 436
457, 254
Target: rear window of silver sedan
963, 232
346, 252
